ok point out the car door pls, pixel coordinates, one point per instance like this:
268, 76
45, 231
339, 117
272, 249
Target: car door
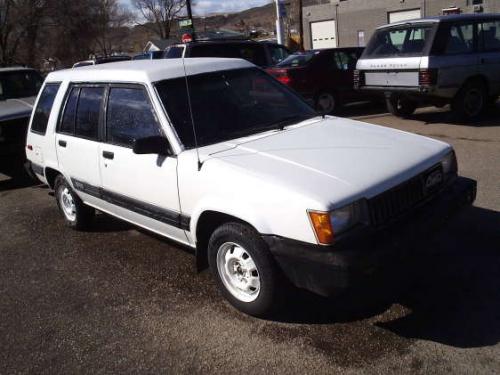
77, 139
455, 55
138, 188
489, 44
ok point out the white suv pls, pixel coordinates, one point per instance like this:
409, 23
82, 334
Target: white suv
252, 179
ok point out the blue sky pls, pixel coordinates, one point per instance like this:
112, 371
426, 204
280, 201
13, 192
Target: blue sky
203, 7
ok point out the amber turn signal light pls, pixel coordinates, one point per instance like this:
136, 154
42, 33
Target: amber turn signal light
322, 227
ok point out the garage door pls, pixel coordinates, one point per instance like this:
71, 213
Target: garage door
323, 34
404, 15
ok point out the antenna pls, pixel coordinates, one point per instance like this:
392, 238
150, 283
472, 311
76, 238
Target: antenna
200, 164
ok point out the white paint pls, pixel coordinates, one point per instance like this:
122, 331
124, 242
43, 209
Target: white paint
404, 15
269, 180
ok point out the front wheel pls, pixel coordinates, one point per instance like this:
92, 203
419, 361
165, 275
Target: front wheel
400, 106
244, 269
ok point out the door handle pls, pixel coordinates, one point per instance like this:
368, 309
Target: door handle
62, 143
108, 155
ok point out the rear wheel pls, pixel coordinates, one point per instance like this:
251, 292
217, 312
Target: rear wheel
244, 269
400, 106
76, 214
470, 101
326, 103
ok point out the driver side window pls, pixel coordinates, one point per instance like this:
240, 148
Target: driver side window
130, 116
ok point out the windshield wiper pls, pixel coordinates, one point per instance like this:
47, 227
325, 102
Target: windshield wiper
290, 120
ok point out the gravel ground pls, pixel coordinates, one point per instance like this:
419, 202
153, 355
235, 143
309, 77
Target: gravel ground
118, 299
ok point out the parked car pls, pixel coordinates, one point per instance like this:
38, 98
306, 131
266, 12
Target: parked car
102, 60
263, 54
242, 170
18, 89
324, 77
438, 60
152, 55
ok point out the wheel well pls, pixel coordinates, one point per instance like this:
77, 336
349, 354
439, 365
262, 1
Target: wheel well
479, 78
208, 222
51, 175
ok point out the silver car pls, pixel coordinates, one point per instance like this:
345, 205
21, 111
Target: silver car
437, 60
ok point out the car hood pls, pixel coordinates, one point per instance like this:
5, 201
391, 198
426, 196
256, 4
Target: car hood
11, 109
333, 160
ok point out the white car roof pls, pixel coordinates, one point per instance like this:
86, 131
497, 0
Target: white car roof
145, 70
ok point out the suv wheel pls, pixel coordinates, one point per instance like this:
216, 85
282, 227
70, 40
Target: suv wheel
244, 269
76, 214
400, 106
326, 103
470, 101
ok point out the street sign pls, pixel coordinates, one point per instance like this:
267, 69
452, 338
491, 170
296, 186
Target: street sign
185, 23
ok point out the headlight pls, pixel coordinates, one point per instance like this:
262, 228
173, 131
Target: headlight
449, 163
326, 225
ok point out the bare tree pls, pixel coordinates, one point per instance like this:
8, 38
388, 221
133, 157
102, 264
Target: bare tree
159, 14
111, 19
20, 22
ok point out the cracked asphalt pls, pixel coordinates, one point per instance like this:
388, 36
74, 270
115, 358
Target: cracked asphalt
117, 299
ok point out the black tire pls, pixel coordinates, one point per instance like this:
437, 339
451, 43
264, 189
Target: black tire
326, 102
270, 295
83, 214
400, 106
470, 102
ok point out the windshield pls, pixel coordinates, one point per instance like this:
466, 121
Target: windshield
399, 41
19, 84
297, 59
230, 104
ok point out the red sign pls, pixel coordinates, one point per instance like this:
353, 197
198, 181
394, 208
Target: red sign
186, 38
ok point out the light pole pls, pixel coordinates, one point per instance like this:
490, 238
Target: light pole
190, 17
279, 22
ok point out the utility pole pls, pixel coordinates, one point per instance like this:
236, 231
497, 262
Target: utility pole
301, 26
280, 6
190, 17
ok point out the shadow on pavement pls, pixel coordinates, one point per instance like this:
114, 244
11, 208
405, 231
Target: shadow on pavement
451, 291
12, 166
489, 119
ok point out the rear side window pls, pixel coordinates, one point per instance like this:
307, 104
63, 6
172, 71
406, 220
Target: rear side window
460, 39
44, 107
87, 113
68, 118
489, 35
129, 116
82, 112
346, 60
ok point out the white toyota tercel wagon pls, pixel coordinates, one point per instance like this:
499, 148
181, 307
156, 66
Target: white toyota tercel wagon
221, 157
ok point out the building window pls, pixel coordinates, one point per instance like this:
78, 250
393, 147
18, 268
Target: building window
361, 38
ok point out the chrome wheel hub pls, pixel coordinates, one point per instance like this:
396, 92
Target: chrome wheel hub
326, 103
67, 204
238, 272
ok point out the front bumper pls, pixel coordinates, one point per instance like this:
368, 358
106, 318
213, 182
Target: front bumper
328, 270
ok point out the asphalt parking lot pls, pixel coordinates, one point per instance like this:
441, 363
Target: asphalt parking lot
118, 299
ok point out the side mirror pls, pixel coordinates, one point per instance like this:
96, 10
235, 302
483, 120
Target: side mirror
152, 145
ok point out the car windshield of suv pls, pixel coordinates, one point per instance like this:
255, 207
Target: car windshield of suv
19, 84
229, 104
298, 59
399, 41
